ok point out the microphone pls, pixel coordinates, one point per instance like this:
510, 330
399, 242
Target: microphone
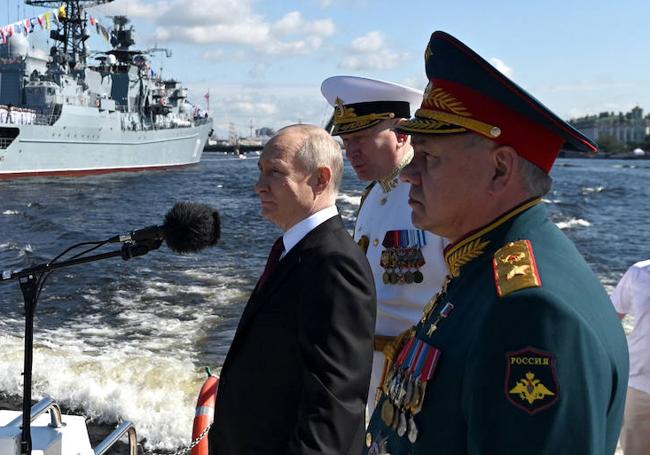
187, 228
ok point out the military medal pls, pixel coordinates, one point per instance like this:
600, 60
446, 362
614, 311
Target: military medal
417, 394
363, 243
406, 384
412, 430
403, 252
401, 427
428, 368
387, 412
446, 310
409, 391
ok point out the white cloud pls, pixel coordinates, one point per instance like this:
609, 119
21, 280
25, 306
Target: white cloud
249, 33
322, 27
371, 52
131, 8
235, 22
214, 55
205, 12
383, 60
371, 42
290, 23
502, 67
302, 47
249, 107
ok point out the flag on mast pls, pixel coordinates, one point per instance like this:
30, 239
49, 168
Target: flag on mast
207, 100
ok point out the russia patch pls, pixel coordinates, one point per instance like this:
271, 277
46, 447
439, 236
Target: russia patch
531, 379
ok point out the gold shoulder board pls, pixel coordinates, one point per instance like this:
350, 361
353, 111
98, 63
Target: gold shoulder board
515, 268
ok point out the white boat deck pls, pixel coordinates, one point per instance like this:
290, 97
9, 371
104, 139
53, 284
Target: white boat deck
72, 438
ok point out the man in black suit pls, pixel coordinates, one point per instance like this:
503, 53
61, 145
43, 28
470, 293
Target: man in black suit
295, 380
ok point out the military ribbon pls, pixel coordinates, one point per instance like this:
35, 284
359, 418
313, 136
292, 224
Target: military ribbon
430, 366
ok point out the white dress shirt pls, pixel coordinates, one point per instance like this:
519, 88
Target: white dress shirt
632, 296
299, 230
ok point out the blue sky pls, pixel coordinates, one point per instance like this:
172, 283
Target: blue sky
263, 61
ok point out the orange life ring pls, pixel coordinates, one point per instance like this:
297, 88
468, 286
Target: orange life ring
204, 415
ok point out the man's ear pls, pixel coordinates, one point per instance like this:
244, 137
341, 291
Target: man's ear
504, 159
401, 138
323, 178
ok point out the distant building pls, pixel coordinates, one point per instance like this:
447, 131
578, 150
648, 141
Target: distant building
628, 128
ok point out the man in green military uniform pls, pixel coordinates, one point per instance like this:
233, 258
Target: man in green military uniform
521, 351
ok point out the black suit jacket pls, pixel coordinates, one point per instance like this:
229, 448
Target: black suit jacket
296, 378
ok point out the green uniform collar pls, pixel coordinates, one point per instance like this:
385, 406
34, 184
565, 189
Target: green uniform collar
478, 242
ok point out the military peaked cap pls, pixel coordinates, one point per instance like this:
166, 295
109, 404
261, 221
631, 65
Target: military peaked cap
361, 103
467, 94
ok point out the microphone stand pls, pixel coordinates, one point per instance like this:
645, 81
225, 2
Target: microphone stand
29, 280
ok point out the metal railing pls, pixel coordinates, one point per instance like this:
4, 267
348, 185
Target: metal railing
46, 404
5, 142
111, 439
36, 118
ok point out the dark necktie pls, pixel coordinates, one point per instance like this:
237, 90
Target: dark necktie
272, 262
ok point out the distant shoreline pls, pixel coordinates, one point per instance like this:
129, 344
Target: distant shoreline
603, 156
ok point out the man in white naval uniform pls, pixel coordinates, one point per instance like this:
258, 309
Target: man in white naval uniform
407, 263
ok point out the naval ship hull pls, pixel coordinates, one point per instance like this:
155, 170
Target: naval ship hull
86, 140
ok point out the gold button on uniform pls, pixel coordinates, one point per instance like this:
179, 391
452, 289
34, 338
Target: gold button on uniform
368, 440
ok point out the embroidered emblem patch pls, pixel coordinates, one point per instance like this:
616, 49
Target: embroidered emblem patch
515, 268
531, 379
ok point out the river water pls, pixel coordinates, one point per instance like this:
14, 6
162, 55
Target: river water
131, 339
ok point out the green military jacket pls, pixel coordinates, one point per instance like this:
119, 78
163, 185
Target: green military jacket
521, 353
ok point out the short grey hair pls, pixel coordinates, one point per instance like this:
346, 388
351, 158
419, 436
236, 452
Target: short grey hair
319, 149
537, 182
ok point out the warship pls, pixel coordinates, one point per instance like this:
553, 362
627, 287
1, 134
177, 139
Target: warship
60, 115
77, 112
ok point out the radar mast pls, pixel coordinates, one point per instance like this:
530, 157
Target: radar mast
69, 51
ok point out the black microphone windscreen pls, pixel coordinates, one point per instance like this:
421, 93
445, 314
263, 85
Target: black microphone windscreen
189, 227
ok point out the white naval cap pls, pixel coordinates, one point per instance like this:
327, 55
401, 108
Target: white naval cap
361, 103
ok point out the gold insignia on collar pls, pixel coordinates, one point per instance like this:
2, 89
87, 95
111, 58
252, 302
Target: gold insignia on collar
531, 389
515, 268
466, 254
391, 181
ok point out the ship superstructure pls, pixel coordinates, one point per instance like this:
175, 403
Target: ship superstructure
61, 115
